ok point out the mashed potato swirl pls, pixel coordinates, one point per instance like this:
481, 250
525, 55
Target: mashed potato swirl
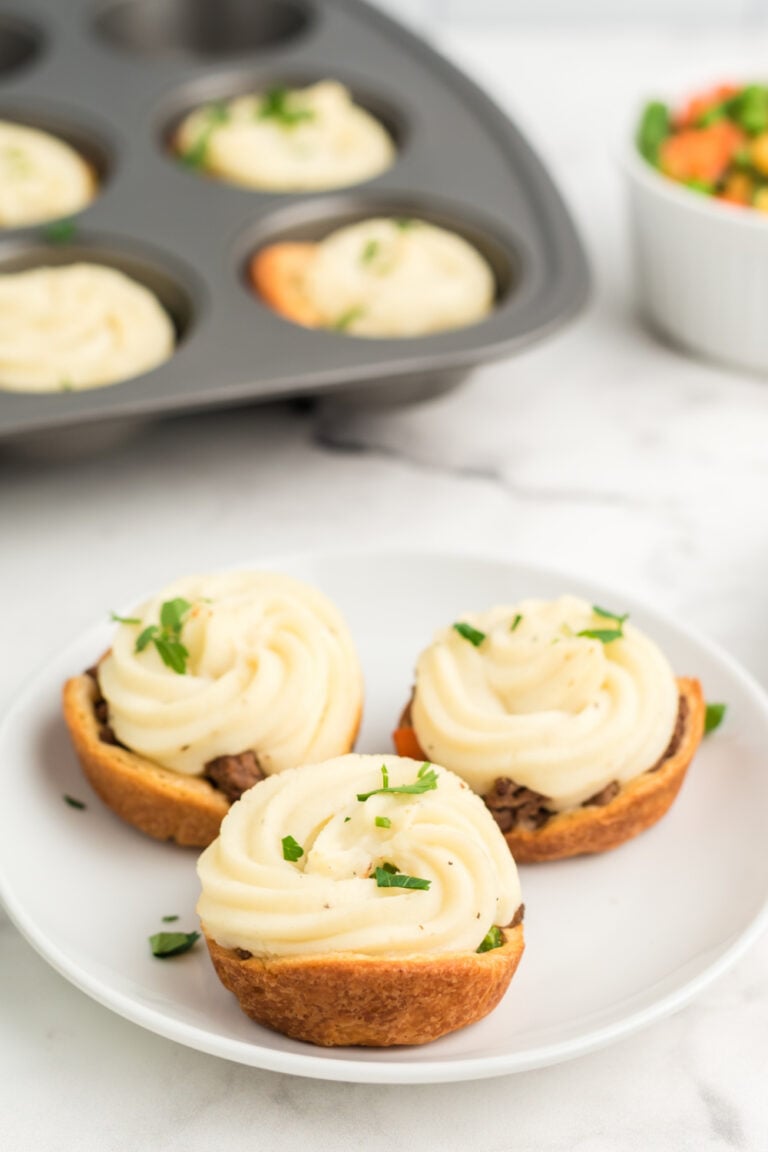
41, 177
398, 277
78, 326
557, 712
327, 900
289, 140
271, 668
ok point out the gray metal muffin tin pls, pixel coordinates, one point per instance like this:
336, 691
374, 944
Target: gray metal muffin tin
114, 78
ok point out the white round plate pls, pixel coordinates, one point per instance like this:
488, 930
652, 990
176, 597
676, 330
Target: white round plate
613, 942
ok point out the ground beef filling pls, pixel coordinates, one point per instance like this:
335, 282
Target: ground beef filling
230, 774
514, 806
518, 917
234, 775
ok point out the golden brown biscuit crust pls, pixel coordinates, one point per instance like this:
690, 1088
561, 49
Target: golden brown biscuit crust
166, 805
347, 998
278, 275
641, 801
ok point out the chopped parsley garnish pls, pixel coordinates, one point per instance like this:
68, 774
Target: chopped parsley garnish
167, 944
609, 615
279, 104
347, 318
403, 222
215, 115
166, 636
73, 802
515, 622
383, 822
124, 619
60, 231
292, 850
17, 160
388, 877
370, 252
713, 717
426, 781
469, 633
605, 635
169, 919
347, 819
494, 938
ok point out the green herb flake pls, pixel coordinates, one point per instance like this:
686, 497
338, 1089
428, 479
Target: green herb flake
494, 938
167, 944
515, 623
385, 878
169, 919
383, 822
348, 318
18, 160
604, 635
214, 116
73, 802
292, 850
598, 611
469, 633
66, 385
172, 653
279, 104
60, 232
172, 613
146, 636
370, 252
124, 619
166, 636
403, 222
713, 717
347, 819
426, 781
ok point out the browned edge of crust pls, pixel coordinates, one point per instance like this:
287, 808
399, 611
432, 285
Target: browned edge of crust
164, 804
642, 801
278, 273
351, 999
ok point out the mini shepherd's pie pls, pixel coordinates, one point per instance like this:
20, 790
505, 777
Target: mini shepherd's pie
41, 177
382, 277
216, 682
565, 718
78, 326
366, 900
286, 140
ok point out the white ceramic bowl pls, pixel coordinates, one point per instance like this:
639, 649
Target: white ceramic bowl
701, 267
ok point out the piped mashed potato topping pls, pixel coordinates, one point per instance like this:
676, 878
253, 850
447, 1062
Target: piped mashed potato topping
41, 177
270, 667
287, 140
398, 277
260, 894
78, 326
532, 698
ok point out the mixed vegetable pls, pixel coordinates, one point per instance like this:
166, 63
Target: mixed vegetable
717, 144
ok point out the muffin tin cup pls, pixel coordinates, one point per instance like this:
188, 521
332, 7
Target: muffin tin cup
460, 162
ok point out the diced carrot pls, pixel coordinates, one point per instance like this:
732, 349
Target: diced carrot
701, 153
702, 103
406, 744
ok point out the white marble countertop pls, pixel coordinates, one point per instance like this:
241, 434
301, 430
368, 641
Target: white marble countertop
601, 452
